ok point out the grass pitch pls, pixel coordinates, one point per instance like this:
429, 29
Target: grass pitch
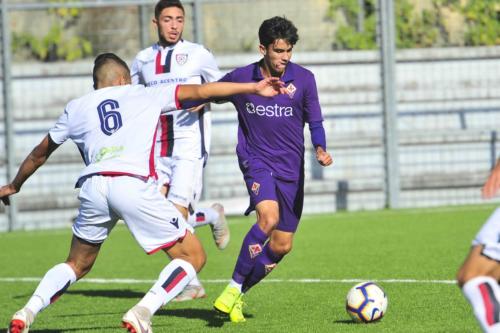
413, 254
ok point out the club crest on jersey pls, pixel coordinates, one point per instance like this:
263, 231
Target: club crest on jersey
255, 250
255, 188
269, 268
290, 90
181, 58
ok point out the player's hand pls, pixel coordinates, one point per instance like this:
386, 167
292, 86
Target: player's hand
270, 87
492, 185
324, 158
6, 191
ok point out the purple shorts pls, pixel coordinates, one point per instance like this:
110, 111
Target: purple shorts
262, 185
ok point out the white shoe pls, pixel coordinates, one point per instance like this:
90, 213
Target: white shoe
220, 229
189, 293
137, 320
21, 321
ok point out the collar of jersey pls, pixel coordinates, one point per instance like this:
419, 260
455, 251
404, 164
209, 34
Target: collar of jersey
287, 76
157, 45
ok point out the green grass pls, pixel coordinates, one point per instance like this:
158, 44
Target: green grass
423, 244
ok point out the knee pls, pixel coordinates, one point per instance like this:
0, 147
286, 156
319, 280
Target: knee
280, 248
81, 269
268, 222
197, 260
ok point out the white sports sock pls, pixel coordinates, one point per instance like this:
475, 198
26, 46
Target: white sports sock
235, 284
53, 285
173, 279
203, 216
483, 293
195, 282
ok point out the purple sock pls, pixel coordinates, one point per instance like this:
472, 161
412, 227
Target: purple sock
250, 249
264, 264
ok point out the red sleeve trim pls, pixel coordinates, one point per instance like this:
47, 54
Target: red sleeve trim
167, 245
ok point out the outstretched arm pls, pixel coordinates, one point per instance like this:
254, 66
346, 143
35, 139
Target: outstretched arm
209, 91
492, 185
31, 163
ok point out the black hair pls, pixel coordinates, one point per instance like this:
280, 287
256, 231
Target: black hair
162, 4
103, 59
277, 28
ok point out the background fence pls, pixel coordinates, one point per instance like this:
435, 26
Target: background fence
447, 98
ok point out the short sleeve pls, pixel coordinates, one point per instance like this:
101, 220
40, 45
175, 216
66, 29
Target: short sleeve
209, 70
135, 72
166, 96
312, 109
60, 132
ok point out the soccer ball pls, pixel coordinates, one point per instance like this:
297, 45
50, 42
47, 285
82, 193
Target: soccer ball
366, 302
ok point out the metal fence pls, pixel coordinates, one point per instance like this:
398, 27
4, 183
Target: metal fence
415, 130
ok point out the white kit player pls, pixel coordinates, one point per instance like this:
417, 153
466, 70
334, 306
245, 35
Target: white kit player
479, 275
183, 140
114, 128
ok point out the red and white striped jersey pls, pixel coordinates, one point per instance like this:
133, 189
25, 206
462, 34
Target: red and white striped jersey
181, 134
115, 127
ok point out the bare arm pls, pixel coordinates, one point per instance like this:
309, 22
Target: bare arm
31, 163
268, 87
492, 185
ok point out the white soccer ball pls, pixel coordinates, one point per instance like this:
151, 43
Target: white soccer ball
366, 302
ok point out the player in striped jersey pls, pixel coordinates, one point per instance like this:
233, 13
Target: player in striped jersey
479, 275
183, 140
114, 128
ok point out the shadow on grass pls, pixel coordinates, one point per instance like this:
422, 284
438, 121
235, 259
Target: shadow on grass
75, 329
213, 318
111, 293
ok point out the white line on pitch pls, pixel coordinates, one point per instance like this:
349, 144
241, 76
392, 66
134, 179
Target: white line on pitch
139, 281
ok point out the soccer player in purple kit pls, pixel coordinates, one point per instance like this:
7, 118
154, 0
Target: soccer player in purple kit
271, 157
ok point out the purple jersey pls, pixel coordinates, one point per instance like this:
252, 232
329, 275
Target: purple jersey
271, 129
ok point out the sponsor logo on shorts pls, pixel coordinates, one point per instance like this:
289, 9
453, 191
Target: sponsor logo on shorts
181, 58
269, 110
254, 249
255, 188
175, 222
290, 90
269, 268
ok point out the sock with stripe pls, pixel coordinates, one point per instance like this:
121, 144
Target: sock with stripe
250, 250
53, 285
483, 293
203, 216
264, 264
173, 278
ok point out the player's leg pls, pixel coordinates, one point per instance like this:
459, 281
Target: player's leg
175, 179
213, 216
188, 259
251, 249
90, 229
290, 199
156, 225
479, 275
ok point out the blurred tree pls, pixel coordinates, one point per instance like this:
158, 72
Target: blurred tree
57, 44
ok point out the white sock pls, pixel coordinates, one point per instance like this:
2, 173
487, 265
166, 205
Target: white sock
235, 284
173, 279
195, 282
53, 285
483, 293
203, 216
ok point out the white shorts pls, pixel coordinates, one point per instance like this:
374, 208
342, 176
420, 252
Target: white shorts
154, 222
489, 236
184, 178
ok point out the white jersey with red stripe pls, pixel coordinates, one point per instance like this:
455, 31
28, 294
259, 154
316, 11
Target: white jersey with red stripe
115, 127
181, 134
